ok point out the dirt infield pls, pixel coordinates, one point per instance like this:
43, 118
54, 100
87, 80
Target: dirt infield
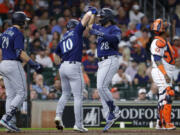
97, 132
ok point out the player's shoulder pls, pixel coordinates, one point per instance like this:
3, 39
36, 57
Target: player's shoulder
96, 26
115, 28
160, 42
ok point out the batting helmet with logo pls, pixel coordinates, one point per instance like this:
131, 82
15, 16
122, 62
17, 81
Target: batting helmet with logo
72, 24
106, 15
19, 18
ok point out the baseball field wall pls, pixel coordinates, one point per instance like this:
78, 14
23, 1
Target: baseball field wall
134, 114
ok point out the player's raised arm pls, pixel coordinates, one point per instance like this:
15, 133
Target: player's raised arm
91, 21
92, 11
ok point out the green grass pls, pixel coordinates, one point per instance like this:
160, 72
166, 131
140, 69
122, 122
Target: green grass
93, 128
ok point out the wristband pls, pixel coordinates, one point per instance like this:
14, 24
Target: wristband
31, 62
161, 68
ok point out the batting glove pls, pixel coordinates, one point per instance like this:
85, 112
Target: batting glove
93, 10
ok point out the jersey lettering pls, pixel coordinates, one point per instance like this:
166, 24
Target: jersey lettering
67, 45
5, 42
105, 46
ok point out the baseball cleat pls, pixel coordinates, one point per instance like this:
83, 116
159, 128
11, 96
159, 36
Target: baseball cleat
169, 126
112, 117
158, 125
9, 126
59, 123
83, 129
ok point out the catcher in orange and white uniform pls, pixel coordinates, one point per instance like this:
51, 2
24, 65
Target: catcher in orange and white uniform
162, 56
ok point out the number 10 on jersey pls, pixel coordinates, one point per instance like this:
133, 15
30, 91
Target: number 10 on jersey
67, 45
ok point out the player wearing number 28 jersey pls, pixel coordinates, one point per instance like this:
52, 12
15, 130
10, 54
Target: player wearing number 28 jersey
109, 36
69, 50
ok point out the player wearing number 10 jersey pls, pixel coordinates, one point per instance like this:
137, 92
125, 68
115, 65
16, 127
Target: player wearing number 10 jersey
69, 50
109, 36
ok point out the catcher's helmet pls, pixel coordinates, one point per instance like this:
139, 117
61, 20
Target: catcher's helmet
72, 24
159, 26
19, 18
106, 15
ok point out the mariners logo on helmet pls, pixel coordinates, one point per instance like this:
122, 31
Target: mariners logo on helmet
19, 18
72, 24
106, 15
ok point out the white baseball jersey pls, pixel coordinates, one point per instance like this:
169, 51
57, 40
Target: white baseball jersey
164, 50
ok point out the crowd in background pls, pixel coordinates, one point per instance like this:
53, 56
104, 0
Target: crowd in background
48, 24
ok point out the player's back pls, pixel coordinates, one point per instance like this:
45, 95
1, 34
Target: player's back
11, 40
71, 45
162, 48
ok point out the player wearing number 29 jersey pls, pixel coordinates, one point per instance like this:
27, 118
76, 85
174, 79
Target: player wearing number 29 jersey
12, 50
11, 40
109, 36
69, 50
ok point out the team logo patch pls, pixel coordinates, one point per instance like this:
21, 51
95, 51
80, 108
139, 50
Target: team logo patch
91, 116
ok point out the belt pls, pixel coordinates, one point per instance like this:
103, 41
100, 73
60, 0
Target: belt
105, 57
70, 62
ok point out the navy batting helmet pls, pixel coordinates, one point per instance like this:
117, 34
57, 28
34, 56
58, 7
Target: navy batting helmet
19, 18
106, 15
72, 24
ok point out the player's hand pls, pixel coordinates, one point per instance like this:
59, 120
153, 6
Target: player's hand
93, 10
96, 32
168, 80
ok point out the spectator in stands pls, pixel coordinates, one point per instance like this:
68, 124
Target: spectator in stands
44, 36
121, 78
33, 93
41, 89
126, 54
92, 47
144, 39
135, 15
131, 70
60, 26
84, 54
141, 95
86, 78
122, 18
90, 65
55, 90
115, 93
54, 42
2, 89
176, 46
152, 94
5, 7
121, 46
176, 21
131, 29
33, 24
43, 58
35, 46
138, 53
141, 79
95, 94
67, 14
144, 23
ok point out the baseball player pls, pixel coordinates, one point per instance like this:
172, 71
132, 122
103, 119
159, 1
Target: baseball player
12, 54
162, 56
69, 50
109, 36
